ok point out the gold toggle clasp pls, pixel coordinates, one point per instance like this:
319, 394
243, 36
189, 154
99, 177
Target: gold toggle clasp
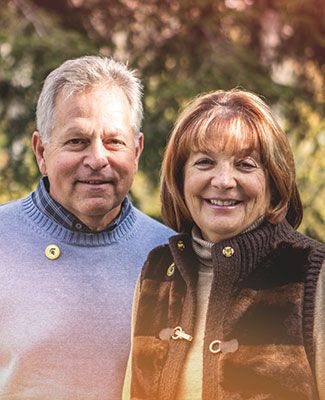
180, 334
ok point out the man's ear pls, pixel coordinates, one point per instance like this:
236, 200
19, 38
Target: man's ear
139, 148
38, 149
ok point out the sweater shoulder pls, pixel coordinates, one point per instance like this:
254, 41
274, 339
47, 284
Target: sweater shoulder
10, 209
153, 226
9, 206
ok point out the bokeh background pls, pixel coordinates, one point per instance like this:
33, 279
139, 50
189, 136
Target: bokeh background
275, 48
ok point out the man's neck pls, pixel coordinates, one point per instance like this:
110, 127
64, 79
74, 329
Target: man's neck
99, 223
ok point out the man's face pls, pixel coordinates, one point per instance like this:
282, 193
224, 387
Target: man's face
91, 157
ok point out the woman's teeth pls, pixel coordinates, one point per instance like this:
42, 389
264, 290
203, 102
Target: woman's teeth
223, 202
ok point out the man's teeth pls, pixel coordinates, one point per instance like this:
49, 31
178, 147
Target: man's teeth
94, 182
223, 202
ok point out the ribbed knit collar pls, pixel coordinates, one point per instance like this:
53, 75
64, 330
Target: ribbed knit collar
202, 247
249, 249
46, 226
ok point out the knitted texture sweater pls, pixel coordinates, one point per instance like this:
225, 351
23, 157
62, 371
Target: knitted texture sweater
65, 322
258, 340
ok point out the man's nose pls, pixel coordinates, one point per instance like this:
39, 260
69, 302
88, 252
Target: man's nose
97, 156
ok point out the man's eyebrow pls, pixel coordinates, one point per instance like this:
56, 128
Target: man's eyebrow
113, 132
76, 131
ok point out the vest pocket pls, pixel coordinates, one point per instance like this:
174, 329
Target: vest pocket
148, 358
277, 371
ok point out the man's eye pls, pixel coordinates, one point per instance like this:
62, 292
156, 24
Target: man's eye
76, 141
114, 142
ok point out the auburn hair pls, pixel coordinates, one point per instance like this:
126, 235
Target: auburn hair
231, 120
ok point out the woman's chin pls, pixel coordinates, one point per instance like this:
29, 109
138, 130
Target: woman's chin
221, 233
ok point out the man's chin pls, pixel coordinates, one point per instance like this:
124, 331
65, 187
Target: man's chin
98, 213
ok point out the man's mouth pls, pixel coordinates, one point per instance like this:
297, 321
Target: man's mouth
95, 182
92, 182
223, 203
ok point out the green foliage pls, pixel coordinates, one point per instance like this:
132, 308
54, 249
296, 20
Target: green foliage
27, 56
181, 48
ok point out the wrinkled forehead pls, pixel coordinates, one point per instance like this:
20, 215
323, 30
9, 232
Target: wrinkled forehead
232, 135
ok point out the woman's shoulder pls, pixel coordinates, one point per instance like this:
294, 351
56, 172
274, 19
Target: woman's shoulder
286, 235
157, 258
307, 251
161, 257
305, 241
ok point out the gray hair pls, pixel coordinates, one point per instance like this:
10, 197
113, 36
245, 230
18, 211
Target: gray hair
81, 73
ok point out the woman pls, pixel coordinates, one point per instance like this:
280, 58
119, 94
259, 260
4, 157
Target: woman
226, 311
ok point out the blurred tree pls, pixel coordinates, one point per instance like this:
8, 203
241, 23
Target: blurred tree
182, 48
31, 45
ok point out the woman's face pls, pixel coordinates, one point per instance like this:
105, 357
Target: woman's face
225, 193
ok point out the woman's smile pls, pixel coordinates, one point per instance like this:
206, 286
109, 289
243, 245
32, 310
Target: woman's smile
217, 203
225, 193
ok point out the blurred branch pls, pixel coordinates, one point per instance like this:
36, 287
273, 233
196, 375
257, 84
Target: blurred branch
29, 11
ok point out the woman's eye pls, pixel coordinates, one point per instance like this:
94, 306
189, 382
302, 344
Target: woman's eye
203, 162
247, 164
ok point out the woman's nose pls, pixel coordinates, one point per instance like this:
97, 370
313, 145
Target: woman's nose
97, 157
223, 178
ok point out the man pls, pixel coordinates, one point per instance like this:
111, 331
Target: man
71, 250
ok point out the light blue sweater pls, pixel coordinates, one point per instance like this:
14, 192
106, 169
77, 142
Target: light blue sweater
65, 323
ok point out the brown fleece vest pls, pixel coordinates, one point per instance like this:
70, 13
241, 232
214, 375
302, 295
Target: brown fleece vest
260, 308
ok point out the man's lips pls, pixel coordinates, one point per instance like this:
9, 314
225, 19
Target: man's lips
94, 181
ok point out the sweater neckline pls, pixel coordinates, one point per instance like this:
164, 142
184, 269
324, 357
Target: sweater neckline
47, 227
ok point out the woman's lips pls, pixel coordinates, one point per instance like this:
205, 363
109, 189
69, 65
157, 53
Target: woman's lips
223, 203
